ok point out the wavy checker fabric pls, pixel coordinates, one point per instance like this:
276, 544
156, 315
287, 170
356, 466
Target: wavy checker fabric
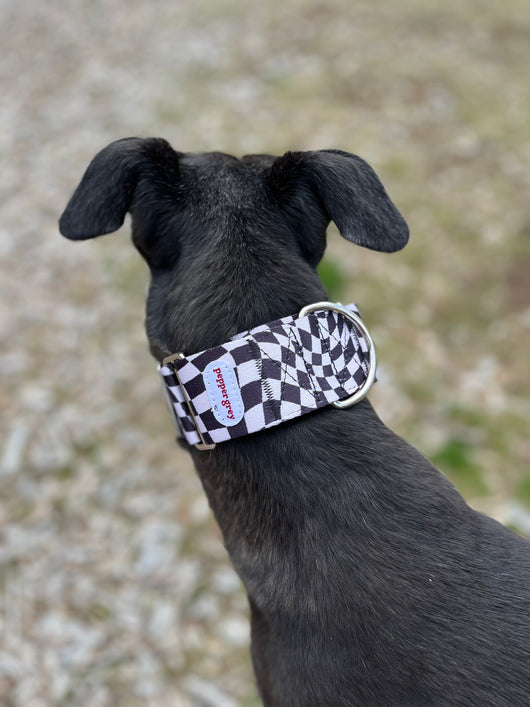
284, 369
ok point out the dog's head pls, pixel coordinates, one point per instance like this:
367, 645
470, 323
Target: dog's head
231, 243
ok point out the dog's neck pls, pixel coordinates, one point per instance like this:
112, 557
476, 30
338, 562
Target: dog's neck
316, 478
250, 482
274, 490
236, 299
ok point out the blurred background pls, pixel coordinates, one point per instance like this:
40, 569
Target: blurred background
115, 588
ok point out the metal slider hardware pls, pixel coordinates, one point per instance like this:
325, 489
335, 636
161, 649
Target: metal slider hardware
203, 445
370, 378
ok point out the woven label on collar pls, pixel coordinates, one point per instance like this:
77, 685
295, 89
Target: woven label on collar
223, 392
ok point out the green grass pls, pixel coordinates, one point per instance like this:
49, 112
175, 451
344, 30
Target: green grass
333, 277
455, 458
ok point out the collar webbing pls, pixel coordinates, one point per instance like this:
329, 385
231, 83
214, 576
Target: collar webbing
270, 374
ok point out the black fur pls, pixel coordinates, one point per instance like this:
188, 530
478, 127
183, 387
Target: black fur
370, 580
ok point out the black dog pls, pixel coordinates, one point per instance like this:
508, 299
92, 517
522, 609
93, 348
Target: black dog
370, 580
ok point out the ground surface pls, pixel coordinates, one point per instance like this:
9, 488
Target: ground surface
115, 587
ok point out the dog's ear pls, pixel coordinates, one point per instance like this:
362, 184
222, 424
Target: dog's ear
350, 193
107, 189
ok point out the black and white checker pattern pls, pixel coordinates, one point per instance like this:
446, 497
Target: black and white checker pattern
284, 369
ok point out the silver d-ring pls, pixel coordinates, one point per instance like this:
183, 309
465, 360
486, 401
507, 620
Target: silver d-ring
370, 378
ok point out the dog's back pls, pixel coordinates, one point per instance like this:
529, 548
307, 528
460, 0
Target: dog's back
371, 581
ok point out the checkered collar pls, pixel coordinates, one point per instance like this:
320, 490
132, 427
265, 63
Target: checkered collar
270, 374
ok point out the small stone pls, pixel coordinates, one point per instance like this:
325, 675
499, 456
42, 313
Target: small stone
235, 631
208, 694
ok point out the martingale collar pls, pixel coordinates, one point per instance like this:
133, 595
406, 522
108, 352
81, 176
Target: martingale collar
270, 374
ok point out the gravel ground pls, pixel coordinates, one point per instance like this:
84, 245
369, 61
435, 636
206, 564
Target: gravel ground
115, 588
